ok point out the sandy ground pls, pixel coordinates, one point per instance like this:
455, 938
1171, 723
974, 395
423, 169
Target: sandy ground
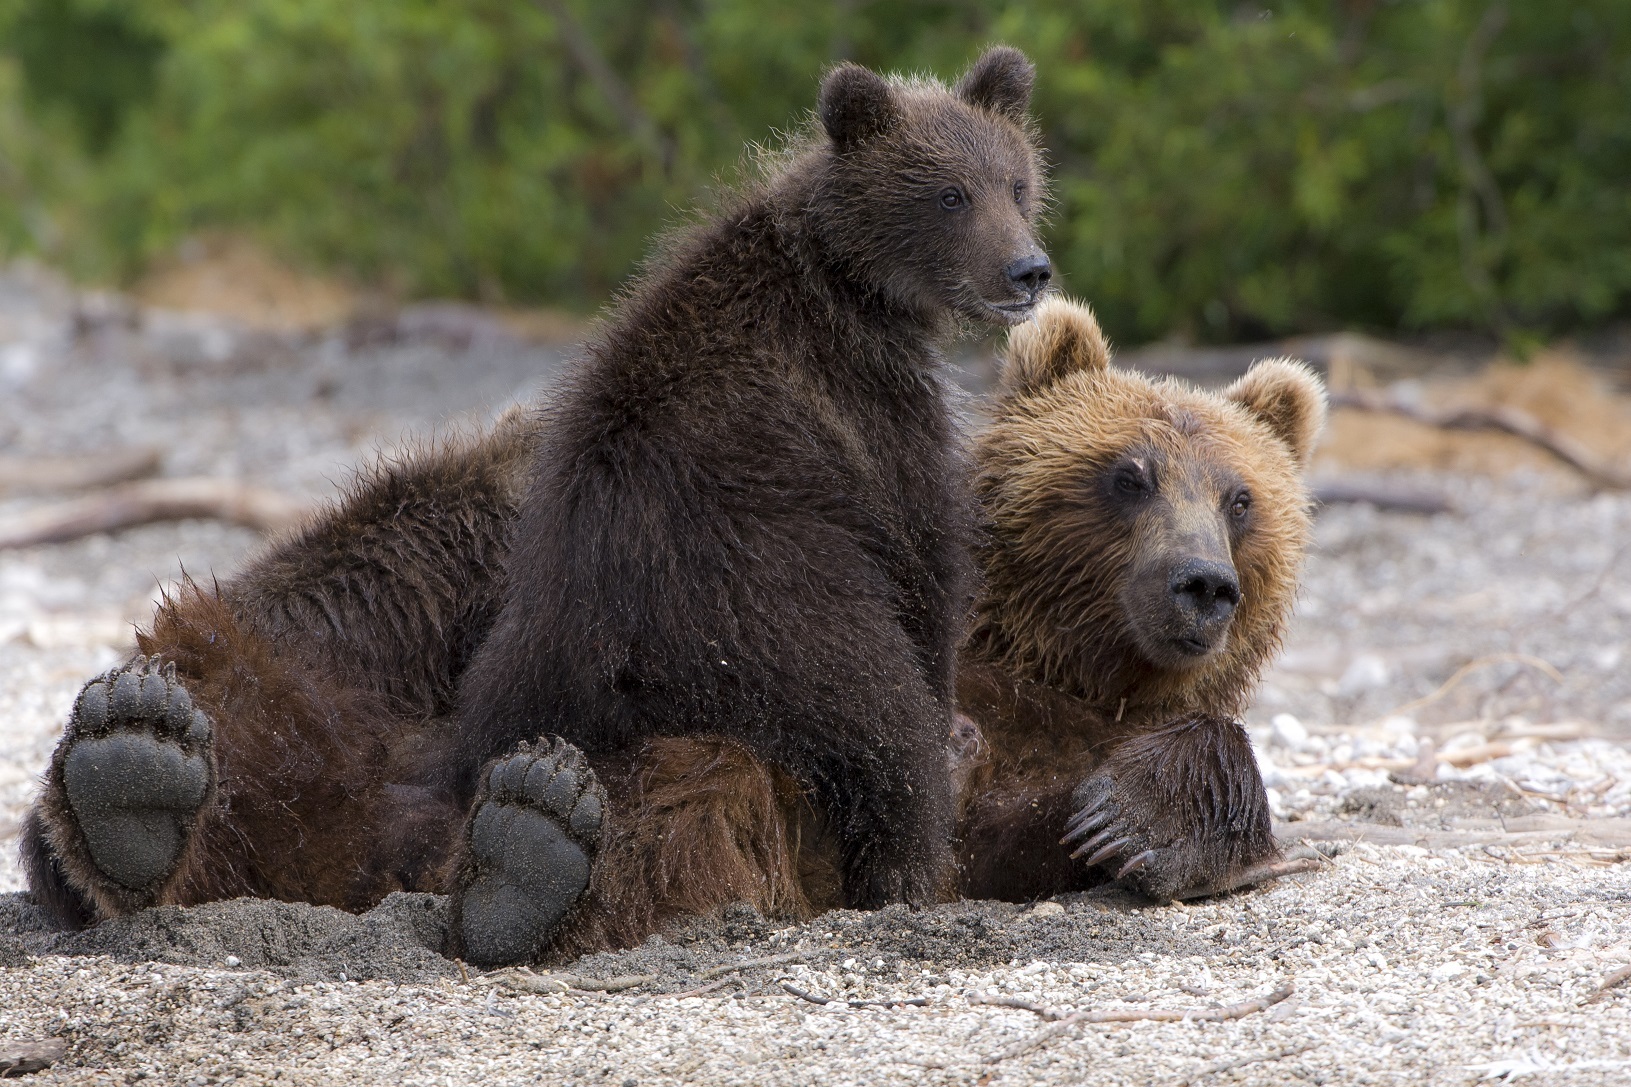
1448, 724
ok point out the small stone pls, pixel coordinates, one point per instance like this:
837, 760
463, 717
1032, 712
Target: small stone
1289, 732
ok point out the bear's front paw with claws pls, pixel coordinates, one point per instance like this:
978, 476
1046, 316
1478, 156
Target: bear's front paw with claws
1176, 813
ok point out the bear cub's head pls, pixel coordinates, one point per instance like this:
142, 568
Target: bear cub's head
1145, 536
931, 194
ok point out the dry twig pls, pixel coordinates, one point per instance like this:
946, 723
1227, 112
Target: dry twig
1501, 417
1382, 496
40, 475
914, 1002
1158, 1015
147, 501
701, 989
749, 964
1050, 1014
1241, 1062
523, 980
1614, 978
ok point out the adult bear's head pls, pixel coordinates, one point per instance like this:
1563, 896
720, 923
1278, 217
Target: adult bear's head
931, 194
1146, 536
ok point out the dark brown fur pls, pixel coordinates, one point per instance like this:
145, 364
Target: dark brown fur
748, 516
728, 561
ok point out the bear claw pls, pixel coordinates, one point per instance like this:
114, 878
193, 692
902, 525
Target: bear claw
531, 845
135, 771
1126, 821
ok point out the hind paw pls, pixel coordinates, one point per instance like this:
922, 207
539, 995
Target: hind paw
134, 766
530, 847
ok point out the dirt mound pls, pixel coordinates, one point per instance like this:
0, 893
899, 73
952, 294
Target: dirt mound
398, 940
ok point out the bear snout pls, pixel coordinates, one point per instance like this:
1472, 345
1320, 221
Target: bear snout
1204, 594
1030, 274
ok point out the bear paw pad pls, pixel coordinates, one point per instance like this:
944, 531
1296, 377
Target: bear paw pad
135, 771
532, 842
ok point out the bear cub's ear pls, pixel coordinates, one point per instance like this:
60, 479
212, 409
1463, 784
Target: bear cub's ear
1290, 398
855, 105
1000, 81
1064, 337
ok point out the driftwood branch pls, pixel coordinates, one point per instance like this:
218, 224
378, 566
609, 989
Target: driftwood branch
44, 475
31, 1055
522, 980
1240, 1062
148, 501
1614, 979
1502, 418
1066, 1023
1382, 496
915, 1001
749, 964
703, 990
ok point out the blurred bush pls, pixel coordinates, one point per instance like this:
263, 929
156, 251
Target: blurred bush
1223, 171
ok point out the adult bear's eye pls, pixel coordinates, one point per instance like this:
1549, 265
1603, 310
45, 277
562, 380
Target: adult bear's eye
1242, 503
951, 199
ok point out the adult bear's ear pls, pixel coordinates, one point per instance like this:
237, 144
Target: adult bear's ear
1000, 81
1289, 397
856, 105
1064, 337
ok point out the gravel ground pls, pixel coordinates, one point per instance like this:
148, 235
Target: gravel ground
1449, 724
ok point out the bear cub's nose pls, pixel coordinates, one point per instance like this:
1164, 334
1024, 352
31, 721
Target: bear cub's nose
1208, 589
1030, 273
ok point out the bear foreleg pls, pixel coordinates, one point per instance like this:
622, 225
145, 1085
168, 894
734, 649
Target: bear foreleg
1177, 812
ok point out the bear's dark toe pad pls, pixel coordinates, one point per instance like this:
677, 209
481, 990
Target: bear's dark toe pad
135, 771
532, 844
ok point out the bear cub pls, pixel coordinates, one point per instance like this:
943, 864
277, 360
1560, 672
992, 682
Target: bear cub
737, 537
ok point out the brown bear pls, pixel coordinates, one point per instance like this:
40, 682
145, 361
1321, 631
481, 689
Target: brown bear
1141, 557
735, 543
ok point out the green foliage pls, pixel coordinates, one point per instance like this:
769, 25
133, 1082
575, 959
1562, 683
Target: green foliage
1223, 171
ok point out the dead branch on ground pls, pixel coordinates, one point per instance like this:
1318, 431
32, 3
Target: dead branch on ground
749, 964
44, 475
523, 980
149, 501
1241, 1062
1065, 1024
1500, 417
914, 1002
1382, 496
1615, 978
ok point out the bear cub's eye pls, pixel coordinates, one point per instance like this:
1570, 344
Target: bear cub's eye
951, 199
1242, 503
1019, 192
